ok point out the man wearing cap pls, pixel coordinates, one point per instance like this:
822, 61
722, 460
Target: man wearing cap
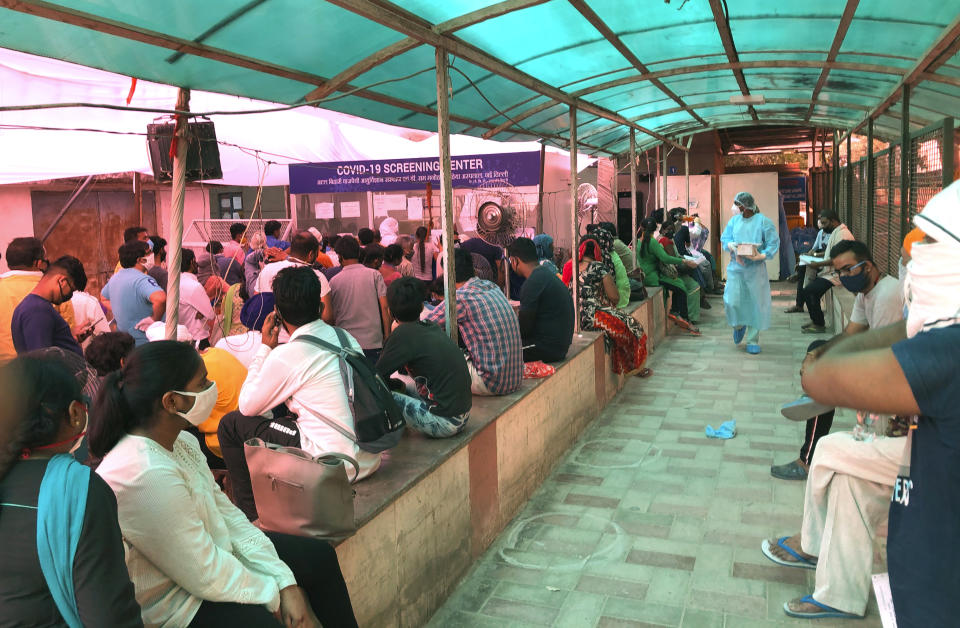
914, 369
746, 297
811, 293
245, 346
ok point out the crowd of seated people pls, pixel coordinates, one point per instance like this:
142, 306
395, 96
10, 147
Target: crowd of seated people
162, 422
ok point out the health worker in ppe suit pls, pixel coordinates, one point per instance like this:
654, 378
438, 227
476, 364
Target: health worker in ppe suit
746, 297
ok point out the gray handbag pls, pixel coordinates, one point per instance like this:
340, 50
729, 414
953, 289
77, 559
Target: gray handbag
301, 495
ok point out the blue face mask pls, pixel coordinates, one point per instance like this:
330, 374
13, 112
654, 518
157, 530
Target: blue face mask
855, 283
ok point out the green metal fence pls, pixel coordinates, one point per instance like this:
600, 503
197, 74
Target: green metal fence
930, 163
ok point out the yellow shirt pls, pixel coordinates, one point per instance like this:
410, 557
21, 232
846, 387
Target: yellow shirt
14, 286
229, 374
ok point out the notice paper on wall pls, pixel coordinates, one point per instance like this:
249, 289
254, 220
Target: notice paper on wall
414, 208
350, 209
881, 586
383, 203
323, 210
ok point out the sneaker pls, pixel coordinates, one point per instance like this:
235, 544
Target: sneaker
753, 349
803, 408
738, 334
790, 471
813, 329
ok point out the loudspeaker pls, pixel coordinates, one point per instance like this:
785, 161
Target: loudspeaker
203, 152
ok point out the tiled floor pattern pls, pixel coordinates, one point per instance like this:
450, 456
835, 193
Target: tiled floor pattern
646, 522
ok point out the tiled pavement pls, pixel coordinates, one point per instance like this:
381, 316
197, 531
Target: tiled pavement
646, 522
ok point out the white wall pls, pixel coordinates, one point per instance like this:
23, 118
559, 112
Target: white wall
700, 199
16, 210
764, 187
195, 207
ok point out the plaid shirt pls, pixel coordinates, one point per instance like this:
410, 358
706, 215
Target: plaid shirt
490, 332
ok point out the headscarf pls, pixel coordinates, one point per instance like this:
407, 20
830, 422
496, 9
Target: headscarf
389, 231
589, 243
544, 244
605, 238
256, 309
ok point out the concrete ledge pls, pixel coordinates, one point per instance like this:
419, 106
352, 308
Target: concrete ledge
436, 505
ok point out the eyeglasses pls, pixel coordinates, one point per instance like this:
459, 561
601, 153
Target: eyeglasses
847, 271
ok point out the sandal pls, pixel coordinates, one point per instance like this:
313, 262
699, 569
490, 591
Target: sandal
643, 373
800, 561
824, 611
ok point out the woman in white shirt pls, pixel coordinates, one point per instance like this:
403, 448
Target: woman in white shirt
194, 558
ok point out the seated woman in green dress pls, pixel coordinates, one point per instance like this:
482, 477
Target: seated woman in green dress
650, 256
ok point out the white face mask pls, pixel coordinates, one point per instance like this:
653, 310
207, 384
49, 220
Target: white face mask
203, 403
931, 288
735, 209
149, 262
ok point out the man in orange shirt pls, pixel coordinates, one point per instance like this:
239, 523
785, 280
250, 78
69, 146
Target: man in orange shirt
27, 261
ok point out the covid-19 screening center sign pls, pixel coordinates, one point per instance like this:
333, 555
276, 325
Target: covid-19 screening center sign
384, 175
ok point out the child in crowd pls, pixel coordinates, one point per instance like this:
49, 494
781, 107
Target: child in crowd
437, 366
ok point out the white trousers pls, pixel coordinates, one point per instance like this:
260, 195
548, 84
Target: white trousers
847, 497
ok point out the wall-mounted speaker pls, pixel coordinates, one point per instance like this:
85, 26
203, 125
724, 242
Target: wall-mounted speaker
203, 152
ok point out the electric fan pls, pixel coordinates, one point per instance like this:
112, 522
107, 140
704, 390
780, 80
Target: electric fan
497, 212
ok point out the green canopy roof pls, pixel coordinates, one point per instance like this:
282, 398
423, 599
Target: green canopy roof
666, 68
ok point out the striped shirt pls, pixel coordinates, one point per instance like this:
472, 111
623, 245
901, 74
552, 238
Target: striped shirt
489, 330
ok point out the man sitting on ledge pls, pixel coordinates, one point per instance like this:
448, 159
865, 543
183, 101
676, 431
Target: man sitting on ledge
488, 331
300, 374
546, 309
432, 359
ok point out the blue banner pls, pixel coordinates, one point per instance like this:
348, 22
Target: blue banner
793, 188
385, 175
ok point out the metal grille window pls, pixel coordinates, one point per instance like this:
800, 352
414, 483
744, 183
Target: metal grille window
926, 167
881, 212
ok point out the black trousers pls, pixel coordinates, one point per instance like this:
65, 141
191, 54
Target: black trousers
678, 300
818, 426
235, 429
534, 353
811, 295
315, 566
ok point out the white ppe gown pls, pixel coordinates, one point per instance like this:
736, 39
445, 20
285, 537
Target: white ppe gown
746, 298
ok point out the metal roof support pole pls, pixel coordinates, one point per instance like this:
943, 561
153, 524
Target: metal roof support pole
835, 179
871, 185
665, 209
656, 180
633, 192
575, 224
946, 152
176, 215
446, 193
686, 174
905, 159
849, 190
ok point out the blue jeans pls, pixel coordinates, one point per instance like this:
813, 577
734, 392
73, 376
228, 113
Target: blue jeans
417, 414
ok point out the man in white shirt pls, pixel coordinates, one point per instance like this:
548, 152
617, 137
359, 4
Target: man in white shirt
301, 375
878, 303
244, 347
196, 312
87, 319
811, 293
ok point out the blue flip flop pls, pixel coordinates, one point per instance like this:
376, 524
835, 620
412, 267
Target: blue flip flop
824, 612
800, 561
738, 334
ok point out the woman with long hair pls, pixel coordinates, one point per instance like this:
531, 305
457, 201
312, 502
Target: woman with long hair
423, 254
623, 336
650, 257
194, 557
62, 553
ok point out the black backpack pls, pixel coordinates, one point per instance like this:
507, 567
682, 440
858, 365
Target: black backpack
377, 418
